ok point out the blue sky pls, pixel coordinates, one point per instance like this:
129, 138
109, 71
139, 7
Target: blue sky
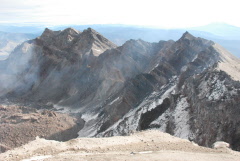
155, 13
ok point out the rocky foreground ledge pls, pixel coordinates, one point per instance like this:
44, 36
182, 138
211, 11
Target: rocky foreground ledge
147, 145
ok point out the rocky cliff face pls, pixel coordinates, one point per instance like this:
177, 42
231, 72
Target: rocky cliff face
188, 88
191, 97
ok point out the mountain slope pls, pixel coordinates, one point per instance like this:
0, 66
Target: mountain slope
195, 101
50, 54
188, 88
76, 66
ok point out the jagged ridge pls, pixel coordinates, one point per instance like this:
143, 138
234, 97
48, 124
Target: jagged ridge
115, 89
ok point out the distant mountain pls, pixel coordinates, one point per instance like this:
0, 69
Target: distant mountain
8, 41
189, 88
15, 28
223, 30
226, 35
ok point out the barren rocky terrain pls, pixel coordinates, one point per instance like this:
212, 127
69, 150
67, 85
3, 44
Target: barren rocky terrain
146, 145
19, 125
188, 88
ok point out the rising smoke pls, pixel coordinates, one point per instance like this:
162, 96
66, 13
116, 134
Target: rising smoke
18, 73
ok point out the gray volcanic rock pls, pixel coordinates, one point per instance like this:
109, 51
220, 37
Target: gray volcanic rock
59, 39
54, 55
217, 94
90, 39
188, 88
168, 103
63, 68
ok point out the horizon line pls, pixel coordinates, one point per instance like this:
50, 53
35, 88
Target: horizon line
37, 24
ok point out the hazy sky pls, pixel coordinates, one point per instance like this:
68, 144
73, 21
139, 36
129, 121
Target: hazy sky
159, 13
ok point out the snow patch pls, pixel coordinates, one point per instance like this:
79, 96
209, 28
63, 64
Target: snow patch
218, 92
216, 89
114, 101
127, 124
89, 130
159, 101
97, 50
184, 68
88, 116
181, 117
154, 67
130, 121
162, 121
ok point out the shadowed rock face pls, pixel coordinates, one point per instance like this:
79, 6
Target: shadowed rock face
79, 70
188, 88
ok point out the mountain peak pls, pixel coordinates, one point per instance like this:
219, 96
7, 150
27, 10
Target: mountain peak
91, 31
90, 41
49, 33
83, 43
71, 31
47, 30
187, 35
